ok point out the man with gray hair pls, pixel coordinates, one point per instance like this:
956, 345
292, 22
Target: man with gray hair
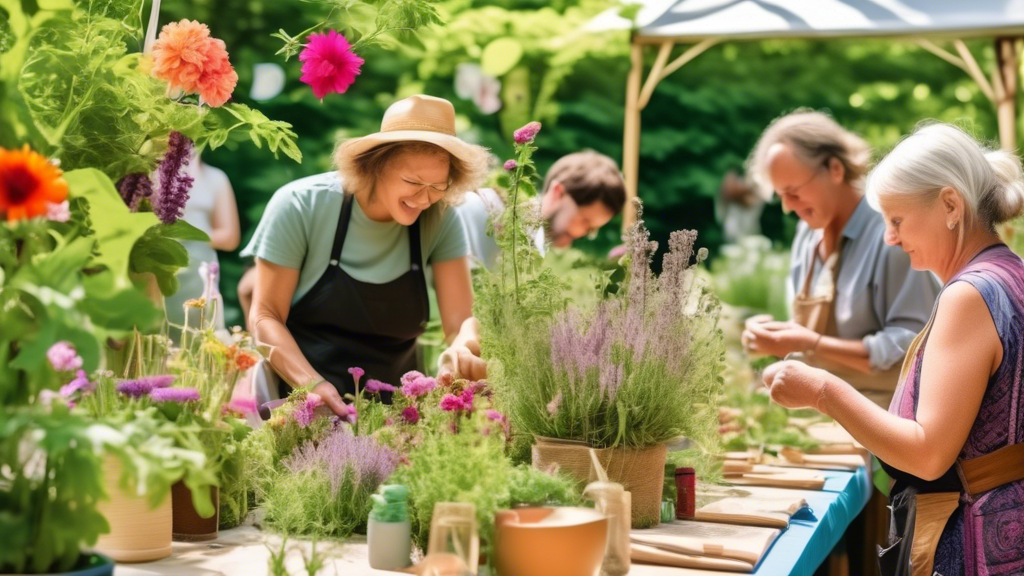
855, 302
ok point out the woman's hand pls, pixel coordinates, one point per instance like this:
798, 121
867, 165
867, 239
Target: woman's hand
329, 394
462, 358
796, 385
772, 338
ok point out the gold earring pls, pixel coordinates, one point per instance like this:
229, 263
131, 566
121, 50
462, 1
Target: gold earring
951, 225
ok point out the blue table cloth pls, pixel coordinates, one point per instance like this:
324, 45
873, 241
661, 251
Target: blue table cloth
805, 545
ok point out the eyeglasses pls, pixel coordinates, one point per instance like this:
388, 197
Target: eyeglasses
434, 187
796, 189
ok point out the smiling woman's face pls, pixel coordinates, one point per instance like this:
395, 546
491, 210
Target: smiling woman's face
410, 183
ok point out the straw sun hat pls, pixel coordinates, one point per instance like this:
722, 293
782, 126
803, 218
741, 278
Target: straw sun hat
421, 118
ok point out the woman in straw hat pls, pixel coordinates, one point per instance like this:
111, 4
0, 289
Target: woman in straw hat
340, 257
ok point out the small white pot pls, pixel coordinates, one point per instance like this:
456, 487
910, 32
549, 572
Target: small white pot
390, 544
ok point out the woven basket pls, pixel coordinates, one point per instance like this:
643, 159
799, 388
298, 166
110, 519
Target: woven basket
640, 471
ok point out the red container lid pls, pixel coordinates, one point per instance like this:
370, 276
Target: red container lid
685, 471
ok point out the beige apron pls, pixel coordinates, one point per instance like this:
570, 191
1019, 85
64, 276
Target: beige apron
814, 308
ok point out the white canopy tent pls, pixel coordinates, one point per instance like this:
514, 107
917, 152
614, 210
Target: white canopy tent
933, 24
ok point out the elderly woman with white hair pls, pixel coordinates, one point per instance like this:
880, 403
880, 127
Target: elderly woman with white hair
341, 257
953, 437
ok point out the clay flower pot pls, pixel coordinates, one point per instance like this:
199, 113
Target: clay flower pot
547, 541
138, 533
189, 526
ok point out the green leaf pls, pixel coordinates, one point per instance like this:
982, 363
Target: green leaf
116, 228
181, 230
117, 310
500, 56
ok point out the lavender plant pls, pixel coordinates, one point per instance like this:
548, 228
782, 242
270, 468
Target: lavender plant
638, 369
324, 487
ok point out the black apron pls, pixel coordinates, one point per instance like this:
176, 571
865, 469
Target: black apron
343, 323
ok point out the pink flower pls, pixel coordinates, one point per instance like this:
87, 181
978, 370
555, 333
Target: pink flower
242, 406
80, 383
176, 395
58, 212
467, 399
617, 252
63, 357
452, 403
411, 415
495, 416
419, 387
328, 64
554, 404
306, 412
511, 165
411, 376
376, 387
527, 133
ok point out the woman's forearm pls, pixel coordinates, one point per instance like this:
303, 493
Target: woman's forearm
849, 353
285, 356
899, 442
225, 240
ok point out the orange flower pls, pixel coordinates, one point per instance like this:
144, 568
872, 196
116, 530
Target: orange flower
244, 361
190, 60
29, 184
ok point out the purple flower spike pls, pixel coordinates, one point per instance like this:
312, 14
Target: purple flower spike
133, 188
175, 184
527, 133
376, 387
175, 395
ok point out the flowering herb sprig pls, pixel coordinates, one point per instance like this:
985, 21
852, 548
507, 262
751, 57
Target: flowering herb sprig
522, 171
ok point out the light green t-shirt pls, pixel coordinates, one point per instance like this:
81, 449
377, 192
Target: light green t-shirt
298, 226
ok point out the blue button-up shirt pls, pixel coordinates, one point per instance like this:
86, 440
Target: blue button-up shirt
880, 300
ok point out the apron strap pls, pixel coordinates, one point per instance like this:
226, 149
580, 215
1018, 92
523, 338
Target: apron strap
992, 470
339, 236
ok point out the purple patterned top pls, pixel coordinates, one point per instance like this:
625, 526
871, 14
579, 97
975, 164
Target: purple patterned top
992, 527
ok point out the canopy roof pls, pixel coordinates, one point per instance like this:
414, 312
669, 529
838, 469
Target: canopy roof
696, 20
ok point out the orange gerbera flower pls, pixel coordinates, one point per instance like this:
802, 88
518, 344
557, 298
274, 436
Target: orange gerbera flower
190, 60
29, 184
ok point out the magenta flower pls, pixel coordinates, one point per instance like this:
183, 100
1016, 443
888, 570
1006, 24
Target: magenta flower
495, 416
80, 383
419, 387
328, 64
411, 376
63, 357
411, 415
511, 165
527, 133
175, 395
306, 412
452, 403
357, 374
467, 399
376, 386
143, 386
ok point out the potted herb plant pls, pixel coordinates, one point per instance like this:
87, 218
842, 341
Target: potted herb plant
625, 376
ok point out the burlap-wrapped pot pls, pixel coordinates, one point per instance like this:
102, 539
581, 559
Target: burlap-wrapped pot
640, 471
138, 533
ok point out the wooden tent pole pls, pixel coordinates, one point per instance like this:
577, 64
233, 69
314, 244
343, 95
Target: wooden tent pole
655, 75
631, 133
1006, 107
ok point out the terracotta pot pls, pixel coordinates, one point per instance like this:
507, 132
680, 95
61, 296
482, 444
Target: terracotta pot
547, 541
138, 533
189, 526
641, 472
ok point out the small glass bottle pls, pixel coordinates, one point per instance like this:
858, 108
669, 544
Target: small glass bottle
615, 503
388, 532
453, 530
